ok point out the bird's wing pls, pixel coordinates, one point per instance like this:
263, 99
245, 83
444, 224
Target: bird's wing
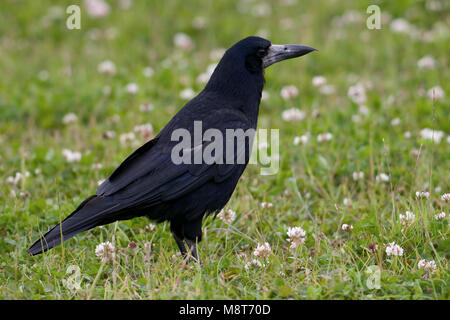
149, 174
138, 164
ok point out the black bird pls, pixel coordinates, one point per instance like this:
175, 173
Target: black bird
148, 183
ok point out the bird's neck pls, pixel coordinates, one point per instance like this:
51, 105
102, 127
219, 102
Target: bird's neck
238, 88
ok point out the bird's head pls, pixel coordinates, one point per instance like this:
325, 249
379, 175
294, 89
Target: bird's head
259, 53
242, 66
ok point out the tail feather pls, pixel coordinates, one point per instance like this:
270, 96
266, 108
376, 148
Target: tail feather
92, 212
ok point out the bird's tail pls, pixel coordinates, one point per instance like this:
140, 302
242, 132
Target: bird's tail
92, 212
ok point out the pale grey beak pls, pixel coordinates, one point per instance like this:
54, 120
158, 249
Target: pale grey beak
281, 52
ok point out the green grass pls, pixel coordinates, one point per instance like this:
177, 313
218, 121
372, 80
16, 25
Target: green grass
308, 191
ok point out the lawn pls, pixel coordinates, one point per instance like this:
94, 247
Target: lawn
366, 142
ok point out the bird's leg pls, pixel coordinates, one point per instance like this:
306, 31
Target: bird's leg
180, 244
193, 250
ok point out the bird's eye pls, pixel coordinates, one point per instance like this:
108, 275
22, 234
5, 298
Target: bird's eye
261, 53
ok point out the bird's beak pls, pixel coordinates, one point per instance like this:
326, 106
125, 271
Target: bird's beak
281, 52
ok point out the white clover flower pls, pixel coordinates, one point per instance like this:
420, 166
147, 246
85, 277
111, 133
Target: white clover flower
445, 197
14, 179
426, 62
217, 54
204, 77
395, 122
145, 130
422, 194
293, 115
347, 227
150, 227
358, 175
407, 219
227, 216
266, 205
296, 232
382, 177
363, 109
148, 72
265, 95
304, 139
347, 202
105, 251
327, 89
109, 134
263, 250
145, 107
18, 177
253, 263
71, 156
401, 25
289, 92
199, 22
210, 69
69, 118
132, 88
183, 41
324, 137
431, 134
97, 8
439, 216
427, 266
357, 93
407, 134
393, 249
127, 137
187, 94
24, 194
319, 81
436, 93
296, 236
97, 166
107, 67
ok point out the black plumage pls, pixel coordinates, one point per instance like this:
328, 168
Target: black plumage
148, 183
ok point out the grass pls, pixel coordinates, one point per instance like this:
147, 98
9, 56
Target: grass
49, 71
